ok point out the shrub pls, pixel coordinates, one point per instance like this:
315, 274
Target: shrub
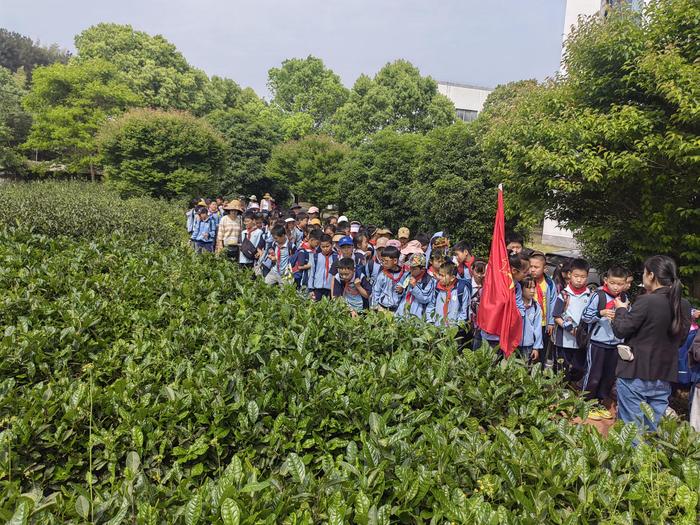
161, 387
162, 154
82, 210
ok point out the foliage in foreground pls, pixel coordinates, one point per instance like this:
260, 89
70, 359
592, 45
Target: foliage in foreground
87, 211
153, 386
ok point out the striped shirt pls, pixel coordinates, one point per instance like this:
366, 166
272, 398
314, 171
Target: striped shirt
229, 232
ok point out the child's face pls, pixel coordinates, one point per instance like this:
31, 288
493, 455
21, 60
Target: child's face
514, 247
628, 283
478, 277
363, 243
403, 241
390, 262
213, 207
328, 231
303, 223
435, 262
416, 271
314, 243
616, 284
280, 240
445, 278
326, 248
345, 274
203, 216
248, 222
520, 273
461, 255
529, 292
579, 278
258, 223
537, 268
346, 251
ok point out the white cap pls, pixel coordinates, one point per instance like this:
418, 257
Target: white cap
290, 219
343, 218
354, 227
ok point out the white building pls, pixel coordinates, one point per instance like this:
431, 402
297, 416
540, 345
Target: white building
468, 100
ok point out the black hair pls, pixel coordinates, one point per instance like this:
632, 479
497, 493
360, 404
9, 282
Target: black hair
358, 238
249, 215
448, 267
528, 282
436, 255
617, 271
462, 246
423, 239
344, 225
391, 252
302, 215
515, 237
516, 260
326, 238
537, 255
580, 264
346, 262
561, 269
201, 209
316, 234
666, 273
193, 203
479, 266
279, 231
330, 226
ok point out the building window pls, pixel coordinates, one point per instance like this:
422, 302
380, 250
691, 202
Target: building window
466, 115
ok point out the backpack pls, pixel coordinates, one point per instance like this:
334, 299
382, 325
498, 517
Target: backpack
584, 331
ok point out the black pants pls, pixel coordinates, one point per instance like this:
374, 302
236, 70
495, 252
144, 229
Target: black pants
320, 293
571, 360
232, 252
601, 361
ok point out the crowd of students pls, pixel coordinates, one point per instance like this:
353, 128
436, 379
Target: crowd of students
588, 333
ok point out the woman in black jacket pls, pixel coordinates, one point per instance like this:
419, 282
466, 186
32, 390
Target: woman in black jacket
654, 328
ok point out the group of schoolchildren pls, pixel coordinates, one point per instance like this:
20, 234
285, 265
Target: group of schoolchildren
566, 323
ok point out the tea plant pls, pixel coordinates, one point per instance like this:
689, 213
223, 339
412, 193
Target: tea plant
148, 385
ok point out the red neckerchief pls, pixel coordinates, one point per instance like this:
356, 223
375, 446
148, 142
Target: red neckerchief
470, 260
610, 304
448, 298
390, 275
347, 285
327, 258
409, 295
578, 291
540, 294
431, 271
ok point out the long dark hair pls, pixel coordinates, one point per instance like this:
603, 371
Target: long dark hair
664, 270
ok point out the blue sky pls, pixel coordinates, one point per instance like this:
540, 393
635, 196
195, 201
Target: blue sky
485, 42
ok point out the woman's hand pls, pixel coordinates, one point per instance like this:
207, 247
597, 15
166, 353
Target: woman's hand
619, 303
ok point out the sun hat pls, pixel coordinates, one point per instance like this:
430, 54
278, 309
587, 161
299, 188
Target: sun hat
417, 260
404, 233
384, 231
412, 247
252, 198
337, 237
393, 242
290, 219
345, 241
314, 209
343, 218
381, 242
234, 204
315, 221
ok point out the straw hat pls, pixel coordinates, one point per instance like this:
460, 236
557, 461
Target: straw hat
235, 204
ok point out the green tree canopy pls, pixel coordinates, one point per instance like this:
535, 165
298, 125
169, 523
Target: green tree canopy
309, 168
162, 154
69, 103
306, 85
250, 131
21, 52
155, 69
377, 178
612, 150
398, 97
14, 121
452, 188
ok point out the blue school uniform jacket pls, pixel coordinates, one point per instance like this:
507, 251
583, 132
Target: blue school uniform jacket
372, 269
384, 292
532, 326
202, 228
602, 331
256, 237
191, 219
417, 298
320, 275
569, 306
301, 258
348, 292
283, 253
455, 301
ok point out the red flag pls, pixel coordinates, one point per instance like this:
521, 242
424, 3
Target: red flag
498, 313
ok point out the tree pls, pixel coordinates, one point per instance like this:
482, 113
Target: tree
21, 52
14, 122
150, 65
398, 97
162, 154
69, 103
307, 86
377, 178
611, 150
453, 189
250, 131
309, 168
